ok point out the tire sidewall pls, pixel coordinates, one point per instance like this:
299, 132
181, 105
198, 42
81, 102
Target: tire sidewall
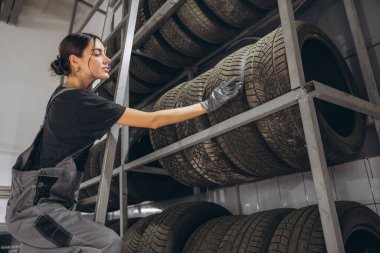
344, 147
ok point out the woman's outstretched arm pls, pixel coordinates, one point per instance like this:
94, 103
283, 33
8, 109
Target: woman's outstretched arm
136, 118
223, 93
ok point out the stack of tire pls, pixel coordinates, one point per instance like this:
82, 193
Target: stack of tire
141, 186
273, 145
196, 29
206, 227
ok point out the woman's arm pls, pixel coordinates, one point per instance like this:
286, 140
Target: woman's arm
136, 118
223, 93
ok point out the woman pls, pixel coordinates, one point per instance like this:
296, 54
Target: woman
46, 177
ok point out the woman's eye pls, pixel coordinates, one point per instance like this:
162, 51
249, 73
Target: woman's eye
97, 54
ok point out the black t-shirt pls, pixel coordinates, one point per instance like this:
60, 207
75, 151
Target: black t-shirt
76, 119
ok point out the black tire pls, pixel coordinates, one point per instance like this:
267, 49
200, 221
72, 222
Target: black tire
252, 233
208, 236
96, 167
236, 13
164, 53
159, 186
244, 145
136, 85
157, 47
206, 157
301, 231
84, 193
113, 45
107, 90
264, 4
115, 224
177, 164
151, 71
168, 232
267, 77
196, 16
178, 36
132, 238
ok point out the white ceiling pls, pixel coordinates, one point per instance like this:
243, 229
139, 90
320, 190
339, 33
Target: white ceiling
63, 8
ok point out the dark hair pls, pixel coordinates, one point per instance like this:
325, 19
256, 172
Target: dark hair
74, 44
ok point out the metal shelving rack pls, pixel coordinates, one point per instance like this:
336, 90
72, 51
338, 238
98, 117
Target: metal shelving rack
301, 93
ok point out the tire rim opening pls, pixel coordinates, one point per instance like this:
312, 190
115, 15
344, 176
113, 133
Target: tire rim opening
362, 241
320, 64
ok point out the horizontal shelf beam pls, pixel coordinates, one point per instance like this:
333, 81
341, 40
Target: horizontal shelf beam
341, 98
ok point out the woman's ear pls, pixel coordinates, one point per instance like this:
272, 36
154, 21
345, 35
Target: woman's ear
74, 60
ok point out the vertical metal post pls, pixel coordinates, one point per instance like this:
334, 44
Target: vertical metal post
321, 178
122, 87
107, 28
73, 15
123, 179
361, 50
292, 48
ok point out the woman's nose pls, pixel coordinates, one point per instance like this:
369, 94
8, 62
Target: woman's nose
107, 60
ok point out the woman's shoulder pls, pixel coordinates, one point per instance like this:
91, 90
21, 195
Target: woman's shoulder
78, 94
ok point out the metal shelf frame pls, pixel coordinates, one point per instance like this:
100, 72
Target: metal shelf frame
301, 94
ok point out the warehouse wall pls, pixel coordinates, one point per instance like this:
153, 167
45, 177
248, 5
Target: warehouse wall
26, 80
356, 181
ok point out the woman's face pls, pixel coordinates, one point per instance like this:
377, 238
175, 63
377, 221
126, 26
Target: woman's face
94, 62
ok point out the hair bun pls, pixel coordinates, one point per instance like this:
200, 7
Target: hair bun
57, 67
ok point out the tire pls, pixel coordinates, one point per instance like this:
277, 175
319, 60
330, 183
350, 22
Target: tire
132, 238
197, 17
252, 233
157, 47
301, 231
178, 36
136, 85
160, 186
113, 45
264, 4
96, 166
84, 193
107, 90
267, 77
151, 71
244, 145
177, 164
206, 157
208, 236
169, 231
236, 13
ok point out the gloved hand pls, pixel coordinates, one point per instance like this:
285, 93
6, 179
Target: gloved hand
225, 91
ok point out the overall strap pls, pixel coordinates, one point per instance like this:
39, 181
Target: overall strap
23, 161
51, 101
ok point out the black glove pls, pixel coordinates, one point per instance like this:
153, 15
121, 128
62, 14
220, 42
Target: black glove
225, 91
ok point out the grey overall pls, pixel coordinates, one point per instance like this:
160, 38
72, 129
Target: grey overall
40, 212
